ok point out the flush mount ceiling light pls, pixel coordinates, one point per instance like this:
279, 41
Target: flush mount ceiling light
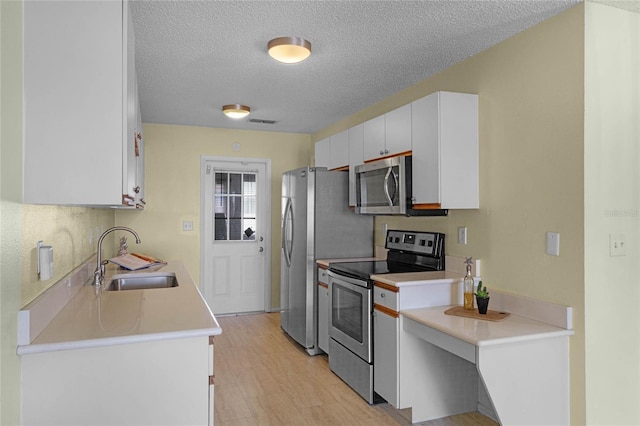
236, 110
289, 50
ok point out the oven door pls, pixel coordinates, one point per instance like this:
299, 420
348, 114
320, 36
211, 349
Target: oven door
350, 310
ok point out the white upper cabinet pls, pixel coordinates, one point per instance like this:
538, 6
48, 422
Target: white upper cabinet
445, 150
356, 157
398, 130
388, 135
80, 105
339, 150
323, 153
333, 152
373, 131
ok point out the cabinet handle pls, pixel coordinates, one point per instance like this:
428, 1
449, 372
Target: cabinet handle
381, 152
136, 189
382, 295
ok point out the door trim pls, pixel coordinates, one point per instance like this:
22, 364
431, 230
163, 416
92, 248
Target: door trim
267, 231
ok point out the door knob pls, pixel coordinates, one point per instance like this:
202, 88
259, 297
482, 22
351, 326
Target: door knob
261, 249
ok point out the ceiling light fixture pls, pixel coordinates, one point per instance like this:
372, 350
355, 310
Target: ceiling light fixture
289, 50
236, 111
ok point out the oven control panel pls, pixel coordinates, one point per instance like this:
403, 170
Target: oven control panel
425, 243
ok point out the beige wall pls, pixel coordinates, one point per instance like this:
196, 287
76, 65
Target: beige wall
612, 205
72, 231
531, 169
172, 176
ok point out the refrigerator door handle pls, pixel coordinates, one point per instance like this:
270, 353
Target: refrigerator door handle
287, 218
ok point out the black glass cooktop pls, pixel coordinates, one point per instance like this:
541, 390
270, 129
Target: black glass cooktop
365, 269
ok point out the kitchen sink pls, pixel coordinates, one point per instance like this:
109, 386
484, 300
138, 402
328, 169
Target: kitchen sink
142, 281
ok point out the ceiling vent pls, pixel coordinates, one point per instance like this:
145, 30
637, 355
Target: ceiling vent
261, 121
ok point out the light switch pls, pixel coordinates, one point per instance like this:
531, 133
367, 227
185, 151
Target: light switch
553, 244
187, 225
462, 235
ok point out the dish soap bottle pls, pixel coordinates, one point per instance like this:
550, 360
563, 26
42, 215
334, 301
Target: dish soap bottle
468, 287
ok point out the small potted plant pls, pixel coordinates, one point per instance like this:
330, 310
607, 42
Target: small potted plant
482, 299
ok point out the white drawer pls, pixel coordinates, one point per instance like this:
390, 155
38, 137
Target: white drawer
384, 297
323, 277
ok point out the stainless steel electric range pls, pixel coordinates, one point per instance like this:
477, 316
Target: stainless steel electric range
351, 302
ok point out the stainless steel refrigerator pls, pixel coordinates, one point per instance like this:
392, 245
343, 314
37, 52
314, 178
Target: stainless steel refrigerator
316, 224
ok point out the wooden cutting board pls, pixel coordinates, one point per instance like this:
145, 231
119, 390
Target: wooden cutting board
460, 311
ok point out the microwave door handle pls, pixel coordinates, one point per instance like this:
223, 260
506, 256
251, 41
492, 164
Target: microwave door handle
386, 186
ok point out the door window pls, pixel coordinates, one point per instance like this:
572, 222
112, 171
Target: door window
235, 195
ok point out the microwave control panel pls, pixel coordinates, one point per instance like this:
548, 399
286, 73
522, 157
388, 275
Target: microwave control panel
425, 243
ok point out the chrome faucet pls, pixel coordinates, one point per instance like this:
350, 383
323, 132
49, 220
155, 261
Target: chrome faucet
99, 272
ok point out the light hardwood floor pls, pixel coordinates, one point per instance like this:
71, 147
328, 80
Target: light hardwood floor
262, 377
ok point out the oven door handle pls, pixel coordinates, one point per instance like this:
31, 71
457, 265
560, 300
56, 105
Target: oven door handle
286, 235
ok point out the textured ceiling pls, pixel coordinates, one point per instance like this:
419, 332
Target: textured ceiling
192, 57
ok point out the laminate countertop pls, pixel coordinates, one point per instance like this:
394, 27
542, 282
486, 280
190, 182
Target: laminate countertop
478, 332
96, 317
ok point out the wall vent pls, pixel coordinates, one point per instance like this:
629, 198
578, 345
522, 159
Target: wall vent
261, 121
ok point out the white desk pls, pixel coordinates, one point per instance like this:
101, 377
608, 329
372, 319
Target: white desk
523, 365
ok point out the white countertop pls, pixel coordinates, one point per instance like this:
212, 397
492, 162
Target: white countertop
477, 332
94, 317
419, 278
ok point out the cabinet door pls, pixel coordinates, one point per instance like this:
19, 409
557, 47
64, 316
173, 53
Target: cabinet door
373, 131
73, 102
445, 150
398, 130
356, 157
323, 317
426, 150
118, 385
323, 153
80, 103
385, 354
339, 150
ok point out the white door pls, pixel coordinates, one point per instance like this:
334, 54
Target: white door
236, 236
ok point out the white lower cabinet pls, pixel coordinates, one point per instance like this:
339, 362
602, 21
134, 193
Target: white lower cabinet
385, 354
167, 382
393, 352
323, 310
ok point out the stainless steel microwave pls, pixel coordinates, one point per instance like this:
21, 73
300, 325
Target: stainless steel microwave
384, 187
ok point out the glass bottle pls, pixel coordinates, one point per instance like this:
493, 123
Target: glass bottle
468, 287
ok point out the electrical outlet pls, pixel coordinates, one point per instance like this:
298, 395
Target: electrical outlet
462, 235
187, 225
617, 245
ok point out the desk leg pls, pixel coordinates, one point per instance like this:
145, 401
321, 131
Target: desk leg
528, 382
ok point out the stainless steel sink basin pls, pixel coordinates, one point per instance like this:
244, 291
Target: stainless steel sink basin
142, 281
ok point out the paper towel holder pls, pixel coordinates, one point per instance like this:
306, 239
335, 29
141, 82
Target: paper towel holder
45, 261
